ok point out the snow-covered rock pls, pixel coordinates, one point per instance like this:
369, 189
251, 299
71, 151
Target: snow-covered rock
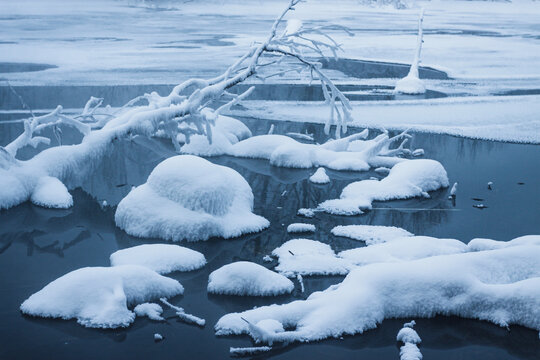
501, 286
99, 296
407, 179
309, 257
300, 228
309, 213
50, 192
319, 177
410, 85
370, 234
248, 279
189, 198
151, 310
162, 258
410, 339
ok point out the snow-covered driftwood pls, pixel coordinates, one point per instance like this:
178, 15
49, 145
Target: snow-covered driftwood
184, 111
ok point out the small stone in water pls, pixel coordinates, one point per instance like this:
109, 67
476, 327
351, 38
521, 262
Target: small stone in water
158, 337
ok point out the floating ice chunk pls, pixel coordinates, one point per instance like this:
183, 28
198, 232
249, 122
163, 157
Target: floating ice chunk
50, 192
152, 310
403, 249
300, 227
501, 286
189, 198
309, 257
162, 258
309, 213
158, 337
370, 234
245, 351
99, 296
319, 177
247, 278
407, 179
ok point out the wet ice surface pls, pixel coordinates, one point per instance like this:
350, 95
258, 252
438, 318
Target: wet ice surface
39, 245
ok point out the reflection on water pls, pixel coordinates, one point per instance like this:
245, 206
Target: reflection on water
38, 245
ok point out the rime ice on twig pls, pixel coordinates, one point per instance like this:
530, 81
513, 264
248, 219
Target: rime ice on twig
190, 319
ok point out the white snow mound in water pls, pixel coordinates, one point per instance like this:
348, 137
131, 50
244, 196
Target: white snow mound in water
410, 85
501, 286
406, 180
162, 258
370, 234
51, 193
151, 310
248, 279
319, 177
189, 198
99, 297
301, 227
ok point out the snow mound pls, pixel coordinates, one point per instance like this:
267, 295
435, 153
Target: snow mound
319, 177
407, 179
410, 85
403, 249
152, 310
248, 279
370, 234
488, 244
162, 258
189, 198
309, 213
409, 337
51, 193
99, 297
309, 257
501, 286
300, 227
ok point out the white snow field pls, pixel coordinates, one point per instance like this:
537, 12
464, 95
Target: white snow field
99, 297
407, 179
245, 278
319, 177
162, 258
300, 228
189, 198
370, 234
501, 286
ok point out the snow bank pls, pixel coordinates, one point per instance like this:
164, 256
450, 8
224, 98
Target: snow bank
370, 234
300, 227
50, 192
99, 296
407, 179
319, 177
247, 278
189, 198
162, 258
501, 286
152, 310
309, 257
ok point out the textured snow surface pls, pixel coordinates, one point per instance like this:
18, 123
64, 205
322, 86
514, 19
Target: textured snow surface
501, 286
162, 258
319, 177
50, 192
300, 227
309, 257
189, 198
248, 279
407, 179
151, 310
99, 296
370, 234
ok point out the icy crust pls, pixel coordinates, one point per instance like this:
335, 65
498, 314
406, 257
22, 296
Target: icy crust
309, 257
248, 279
407, 179
162, 258
501, 286
226, 132
370, 234
319, 177
300, 227
99, 297
189, 198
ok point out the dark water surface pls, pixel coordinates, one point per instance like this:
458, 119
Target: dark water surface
39, 245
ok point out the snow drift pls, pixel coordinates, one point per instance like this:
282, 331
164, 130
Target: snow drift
189, 198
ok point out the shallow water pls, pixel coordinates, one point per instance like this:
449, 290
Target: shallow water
38, 245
